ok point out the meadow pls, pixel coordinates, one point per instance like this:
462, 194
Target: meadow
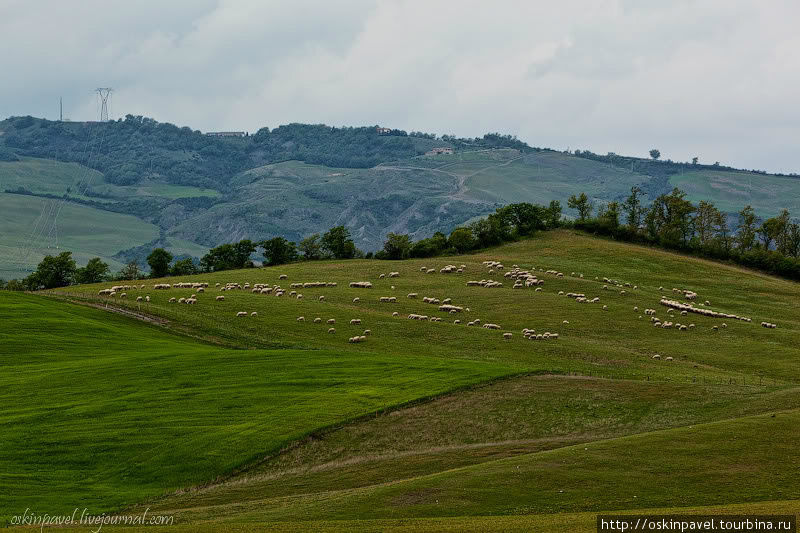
34, 227
264, 415
102, 411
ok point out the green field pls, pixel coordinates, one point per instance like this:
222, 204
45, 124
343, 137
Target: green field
31, 229
585, 424
100, 411
732, 190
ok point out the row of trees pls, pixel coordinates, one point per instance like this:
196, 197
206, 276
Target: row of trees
59, 271
672, 221
508, 223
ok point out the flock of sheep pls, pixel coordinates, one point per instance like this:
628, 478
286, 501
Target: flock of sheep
521, 278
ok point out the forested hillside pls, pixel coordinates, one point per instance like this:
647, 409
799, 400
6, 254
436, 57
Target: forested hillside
190, 191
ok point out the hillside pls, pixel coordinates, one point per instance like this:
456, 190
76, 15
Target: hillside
571, 425
199, 191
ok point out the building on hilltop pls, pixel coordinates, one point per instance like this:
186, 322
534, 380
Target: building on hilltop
383, 131
226, 133
442, 150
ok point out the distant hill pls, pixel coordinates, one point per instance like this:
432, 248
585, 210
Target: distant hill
189, 191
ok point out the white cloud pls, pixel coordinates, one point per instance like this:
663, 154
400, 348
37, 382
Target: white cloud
713, 78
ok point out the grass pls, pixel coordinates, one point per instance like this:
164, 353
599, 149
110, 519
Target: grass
508, 418
704, 464
99, 411
594, 342
86, 231
698, 425
541, 177
46, 176
732, 190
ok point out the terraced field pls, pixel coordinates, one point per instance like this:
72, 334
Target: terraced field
546, 434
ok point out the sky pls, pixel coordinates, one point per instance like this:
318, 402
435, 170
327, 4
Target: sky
716, 79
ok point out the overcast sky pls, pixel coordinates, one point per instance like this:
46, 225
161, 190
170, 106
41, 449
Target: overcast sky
718, 79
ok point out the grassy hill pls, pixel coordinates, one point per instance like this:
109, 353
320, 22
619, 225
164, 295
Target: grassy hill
578, 425
117, 411
295, 180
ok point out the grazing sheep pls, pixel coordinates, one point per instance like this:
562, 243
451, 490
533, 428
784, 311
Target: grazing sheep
147, 298
395, 314
123, 294
254, 313
456, 322
367, 332
355, 321
299, 296
565, 322
356, 300
668, 358
322, 298
657, 357
138, 298
605, 308
241, 313
361, 284
331, 330
172, 300
394, 274
331, 321
283, 276
317, 320
507, 336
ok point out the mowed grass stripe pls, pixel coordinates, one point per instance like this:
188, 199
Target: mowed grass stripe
743, 460
101, 411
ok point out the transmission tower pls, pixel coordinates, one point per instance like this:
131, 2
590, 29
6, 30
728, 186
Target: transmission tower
104, 97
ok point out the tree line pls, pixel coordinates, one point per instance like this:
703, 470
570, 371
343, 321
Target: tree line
671, 221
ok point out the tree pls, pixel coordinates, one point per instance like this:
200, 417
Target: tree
488, 231
782, 230
793, 240
705, 219
746, 231
695, 160
582, 205
461, 239
553, 215
397, 246
183, 267
655, 154
633, 207
770, 231
52, 272
523, 217
432, 246
279, 251
95, 271
130, 271
338, 243
609, 215
159, 260
311, 247
669, 218
229, 256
